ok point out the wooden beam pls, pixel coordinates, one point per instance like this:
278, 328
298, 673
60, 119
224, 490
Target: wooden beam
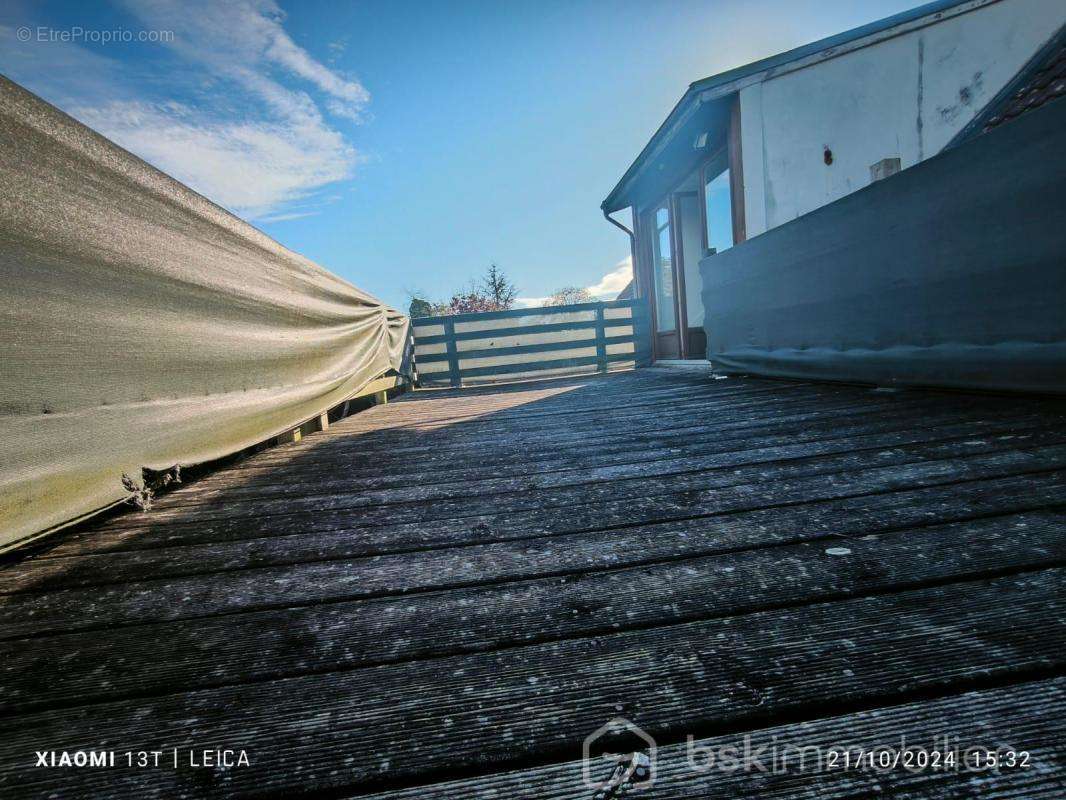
376, 389
290, 436
736, 174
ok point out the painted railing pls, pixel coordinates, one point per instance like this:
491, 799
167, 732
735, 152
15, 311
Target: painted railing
531, 342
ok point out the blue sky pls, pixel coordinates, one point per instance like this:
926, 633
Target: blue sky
405, 146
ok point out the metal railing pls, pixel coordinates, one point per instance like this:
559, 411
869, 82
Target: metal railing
531, 342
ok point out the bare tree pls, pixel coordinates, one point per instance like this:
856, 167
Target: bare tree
569, 295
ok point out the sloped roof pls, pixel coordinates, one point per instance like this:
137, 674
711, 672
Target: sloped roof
725, 83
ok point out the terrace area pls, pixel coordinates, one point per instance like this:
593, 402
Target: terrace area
445, 595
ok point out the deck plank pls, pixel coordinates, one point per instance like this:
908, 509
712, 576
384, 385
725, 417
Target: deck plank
590, 512
399, 722
1029, 717
582, 590
139, 602
590, 468
402, 442
449, 592
850, 515
718, 461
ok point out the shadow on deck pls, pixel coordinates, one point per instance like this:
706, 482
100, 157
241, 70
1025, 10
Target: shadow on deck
442, 597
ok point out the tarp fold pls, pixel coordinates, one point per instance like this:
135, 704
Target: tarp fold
143, 326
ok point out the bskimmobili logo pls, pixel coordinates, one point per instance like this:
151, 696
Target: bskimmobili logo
610, 774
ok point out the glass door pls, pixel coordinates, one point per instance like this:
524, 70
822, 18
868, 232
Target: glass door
689, 250
667, 341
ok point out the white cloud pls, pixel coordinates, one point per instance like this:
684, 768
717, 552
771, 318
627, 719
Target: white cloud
287, 215
245, 39
608, 287
337, 48
253, 167
249, 135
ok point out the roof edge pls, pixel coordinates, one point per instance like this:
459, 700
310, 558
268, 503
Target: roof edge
815, 52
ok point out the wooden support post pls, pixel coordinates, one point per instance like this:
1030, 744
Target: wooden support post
453, 355
290, 436
322, 422
601, 341
380, 398
643, 345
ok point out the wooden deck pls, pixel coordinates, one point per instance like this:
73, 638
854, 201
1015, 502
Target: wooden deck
443, 597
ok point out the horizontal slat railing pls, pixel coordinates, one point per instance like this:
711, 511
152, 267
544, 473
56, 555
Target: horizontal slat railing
531, 342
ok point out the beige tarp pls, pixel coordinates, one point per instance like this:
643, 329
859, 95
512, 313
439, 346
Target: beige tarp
143, 326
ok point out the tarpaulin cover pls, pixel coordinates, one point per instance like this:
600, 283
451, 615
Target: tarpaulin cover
143, 326
951, 273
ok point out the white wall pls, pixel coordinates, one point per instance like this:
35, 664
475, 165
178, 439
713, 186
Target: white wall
904, 97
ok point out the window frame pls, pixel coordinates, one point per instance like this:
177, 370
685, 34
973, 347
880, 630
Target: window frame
719, 160
731, 151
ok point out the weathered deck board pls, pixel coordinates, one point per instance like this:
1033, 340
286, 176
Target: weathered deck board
762, 455
591, 513
464, 436
400, 721
463, 584
338, 445
589, 593
1030, 715
138, 602
849, 516
590, 469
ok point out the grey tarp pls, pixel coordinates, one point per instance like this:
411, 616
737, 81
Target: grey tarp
143, 326
951, 273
